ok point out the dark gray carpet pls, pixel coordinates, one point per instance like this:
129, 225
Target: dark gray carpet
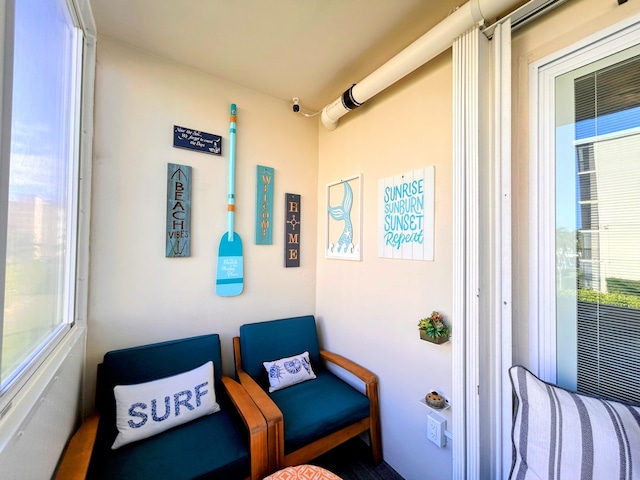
352, 461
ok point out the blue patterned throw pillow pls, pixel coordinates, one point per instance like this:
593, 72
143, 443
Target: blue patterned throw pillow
289, 371
146, 409
561, 434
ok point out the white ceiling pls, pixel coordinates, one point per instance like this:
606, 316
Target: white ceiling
310, 49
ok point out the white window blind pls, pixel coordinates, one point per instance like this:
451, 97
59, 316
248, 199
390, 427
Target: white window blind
598, 227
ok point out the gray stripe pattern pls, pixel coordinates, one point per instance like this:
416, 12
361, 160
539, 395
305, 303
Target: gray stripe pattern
552, 434
524, 423
586, 436
624, 452
563, 435
557, 432
634, 413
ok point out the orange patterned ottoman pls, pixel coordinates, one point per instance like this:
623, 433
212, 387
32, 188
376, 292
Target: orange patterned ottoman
303, 472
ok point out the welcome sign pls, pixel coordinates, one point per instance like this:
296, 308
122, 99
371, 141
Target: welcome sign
264, 205
406, 215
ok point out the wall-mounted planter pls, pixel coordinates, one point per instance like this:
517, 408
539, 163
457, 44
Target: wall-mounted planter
446, 405
436, 340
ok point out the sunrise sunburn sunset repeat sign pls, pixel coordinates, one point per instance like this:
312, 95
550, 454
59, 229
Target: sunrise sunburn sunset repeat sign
406, 215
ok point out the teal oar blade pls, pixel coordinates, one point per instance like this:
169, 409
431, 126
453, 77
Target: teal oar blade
230, 274
230, 271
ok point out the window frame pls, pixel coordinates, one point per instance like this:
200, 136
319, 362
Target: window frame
542, 281
18, 397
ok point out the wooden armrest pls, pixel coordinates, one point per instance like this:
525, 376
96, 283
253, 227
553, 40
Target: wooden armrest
269, 409
371, 386
249, 412
362, 373
273, 416
255, 423
76, 458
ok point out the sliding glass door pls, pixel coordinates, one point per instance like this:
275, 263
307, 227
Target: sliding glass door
597, 226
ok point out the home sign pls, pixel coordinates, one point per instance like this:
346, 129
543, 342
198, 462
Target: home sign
292, 230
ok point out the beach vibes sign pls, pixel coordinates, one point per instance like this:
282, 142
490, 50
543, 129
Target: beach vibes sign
406, 215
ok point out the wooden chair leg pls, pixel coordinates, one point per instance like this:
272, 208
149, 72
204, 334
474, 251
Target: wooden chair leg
374, 423
376, 442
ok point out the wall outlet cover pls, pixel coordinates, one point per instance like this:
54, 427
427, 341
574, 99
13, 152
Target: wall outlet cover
436, 426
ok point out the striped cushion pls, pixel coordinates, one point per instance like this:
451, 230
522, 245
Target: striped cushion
558, 434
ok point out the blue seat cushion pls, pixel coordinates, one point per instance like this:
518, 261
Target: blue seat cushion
211, 447
276, 339
317, 408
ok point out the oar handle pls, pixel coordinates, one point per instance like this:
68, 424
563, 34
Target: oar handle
232, 171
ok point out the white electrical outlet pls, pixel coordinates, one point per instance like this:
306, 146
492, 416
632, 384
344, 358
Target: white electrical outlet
436, 425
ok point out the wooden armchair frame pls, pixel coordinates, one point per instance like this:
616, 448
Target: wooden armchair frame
275, 421
77, 456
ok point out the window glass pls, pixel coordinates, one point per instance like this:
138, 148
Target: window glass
41, 216
598, 227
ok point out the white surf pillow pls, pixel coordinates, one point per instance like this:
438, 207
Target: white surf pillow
146, 409
289, 371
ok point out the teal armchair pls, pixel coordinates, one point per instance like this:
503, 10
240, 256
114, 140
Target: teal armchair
310, 418
228, 444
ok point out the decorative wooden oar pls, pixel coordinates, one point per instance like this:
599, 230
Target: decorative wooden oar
230, 275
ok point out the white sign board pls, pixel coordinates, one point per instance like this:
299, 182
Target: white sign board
406, 215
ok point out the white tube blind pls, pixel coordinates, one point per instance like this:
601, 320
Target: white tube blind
466, 151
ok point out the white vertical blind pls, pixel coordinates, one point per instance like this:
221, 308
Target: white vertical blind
501, 268
466, 150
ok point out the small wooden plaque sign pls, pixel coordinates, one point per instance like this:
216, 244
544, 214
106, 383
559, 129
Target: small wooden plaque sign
178, 242
292, 230
196, 140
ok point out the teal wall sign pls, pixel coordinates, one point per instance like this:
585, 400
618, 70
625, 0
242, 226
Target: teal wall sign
264, 205
178, 211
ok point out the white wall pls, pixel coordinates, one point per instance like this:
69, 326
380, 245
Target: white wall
369, 310
44, 414
137, 295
